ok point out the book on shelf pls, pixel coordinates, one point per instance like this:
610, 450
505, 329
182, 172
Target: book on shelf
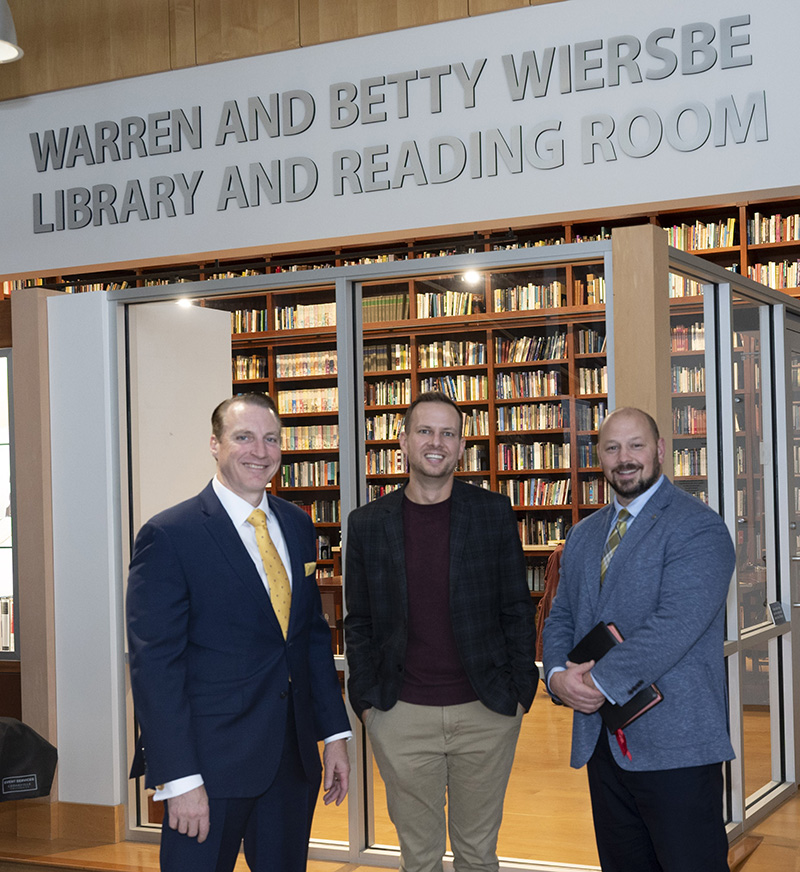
385, 307
310, 473
303, 316
530, 296
533, 416
593, 379
310, 437
524, 349
388, 393
531, 383
308, 400
536, 491
685, 337
533, 455
450, 352
763, 229
305, 363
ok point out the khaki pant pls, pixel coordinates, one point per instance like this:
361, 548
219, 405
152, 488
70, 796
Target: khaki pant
423, 752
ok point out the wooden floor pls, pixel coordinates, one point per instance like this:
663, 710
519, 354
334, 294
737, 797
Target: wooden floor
547, 818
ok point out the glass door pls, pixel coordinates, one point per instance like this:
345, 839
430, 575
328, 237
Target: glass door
758, 626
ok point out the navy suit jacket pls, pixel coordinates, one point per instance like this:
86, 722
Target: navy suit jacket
665, 590
210, 669
491, 611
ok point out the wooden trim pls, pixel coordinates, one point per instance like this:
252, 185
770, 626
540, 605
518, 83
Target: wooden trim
93, 823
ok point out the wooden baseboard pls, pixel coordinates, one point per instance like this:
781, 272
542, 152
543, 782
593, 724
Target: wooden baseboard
8, 818
92, 823
102, 824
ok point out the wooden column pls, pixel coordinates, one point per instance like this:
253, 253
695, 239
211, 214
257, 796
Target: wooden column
642, 376
34, 540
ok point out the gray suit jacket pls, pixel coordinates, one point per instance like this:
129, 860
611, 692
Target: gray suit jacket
490, 606
665, 589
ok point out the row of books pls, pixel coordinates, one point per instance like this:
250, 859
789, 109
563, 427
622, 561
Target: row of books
530, 296
685, 337
595, 491
533, 455
304, 316
740, 460
451, 352
739, 369
773, 228
305, 363
681, 286
536, 416
689, 421
703, 235
249, 321
688, 379
590, 341
385, 426
438, 304
521, 385
387, 307
388, 393
524, 349
591, 290
249, 367
690, 461
536, 491
587, 455
462, 387
310, 473
475, 459
322, 511
376, 491
534, 573
311, 437
384, 357
308, 400
476, 422
543, 531
386, 461
593, 380
589, 415
776, 274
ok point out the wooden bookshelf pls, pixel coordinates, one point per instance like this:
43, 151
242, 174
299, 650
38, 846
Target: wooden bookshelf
522, 350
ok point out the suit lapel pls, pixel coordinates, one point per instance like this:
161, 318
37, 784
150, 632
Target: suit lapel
459, 527
221, 530
395, 541
647, 517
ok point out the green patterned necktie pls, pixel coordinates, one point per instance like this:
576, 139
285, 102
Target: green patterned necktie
613, 541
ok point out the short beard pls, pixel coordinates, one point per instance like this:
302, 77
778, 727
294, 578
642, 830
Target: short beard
638, 488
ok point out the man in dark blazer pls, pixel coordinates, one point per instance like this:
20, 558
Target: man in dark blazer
440, 643
658, 807
231, 705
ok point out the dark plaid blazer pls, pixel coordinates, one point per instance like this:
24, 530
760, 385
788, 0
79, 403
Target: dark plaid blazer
490, 606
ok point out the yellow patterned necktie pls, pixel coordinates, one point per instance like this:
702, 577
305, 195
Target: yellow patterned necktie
613, 541
280, 591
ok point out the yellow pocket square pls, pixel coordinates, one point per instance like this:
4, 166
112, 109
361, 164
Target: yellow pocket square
311, 567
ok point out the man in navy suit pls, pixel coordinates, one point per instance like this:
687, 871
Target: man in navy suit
657, 787
441, 643
231, 705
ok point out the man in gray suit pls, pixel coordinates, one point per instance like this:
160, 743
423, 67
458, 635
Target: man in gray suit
657, 786
440, 639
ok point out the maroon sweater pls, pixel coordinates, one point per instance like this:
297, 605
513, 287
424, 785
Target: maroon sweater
433, 671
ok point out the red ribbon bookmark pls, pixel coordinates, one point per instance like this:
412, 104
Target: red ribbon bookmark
623, 745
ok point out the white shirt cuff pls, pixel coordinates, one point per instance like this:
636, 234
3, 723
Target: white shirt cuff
178, 787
